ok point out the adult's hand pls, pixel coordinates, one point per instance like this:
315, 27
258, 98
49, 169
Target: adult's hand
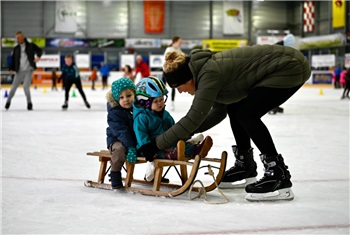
36, 59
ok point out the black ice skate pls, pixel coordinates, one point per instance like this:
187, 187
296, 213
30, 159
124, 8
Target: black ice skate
65, 105
242, 173
116, 179
275, 185
87, 104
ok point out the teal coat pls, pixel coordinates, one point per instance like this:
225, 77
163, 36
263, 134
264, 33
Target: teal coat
227, 77
148, 125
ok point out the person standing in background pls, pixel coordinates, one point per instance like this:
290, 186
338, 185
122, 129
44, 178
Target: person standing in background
104, 70
337, 72
54, 79
23, 65
142, 67
174, 46
347, 85
128, 73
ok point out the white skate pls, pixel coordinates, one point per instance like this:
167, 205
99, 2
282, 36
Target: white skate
149, 171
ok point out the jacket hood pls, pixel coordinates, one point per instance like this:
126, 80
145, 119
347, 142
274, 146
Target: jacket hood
138, 110
198, 59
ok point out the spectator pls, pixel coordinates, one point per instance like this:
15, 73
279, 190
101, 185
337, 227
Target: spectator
23, 65
128, 73
175, 46
104, 70
54, 79
142, 67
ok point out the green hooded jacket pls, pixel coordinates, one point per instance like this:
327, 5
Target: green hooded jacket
227, 77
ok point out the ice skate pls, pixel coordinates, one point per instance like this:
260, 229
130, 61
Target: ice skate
30, 106
7, 105
149, 176
65, 105
275, 185
242, 173
87, 104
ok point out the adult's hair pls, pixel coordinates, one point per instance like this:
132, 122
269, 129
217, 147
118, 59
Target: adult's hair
19, 32
173, 60
69, 56
175, 39
129, 68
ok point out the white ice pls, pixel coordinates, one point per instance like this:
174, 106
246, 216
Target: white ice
44, 166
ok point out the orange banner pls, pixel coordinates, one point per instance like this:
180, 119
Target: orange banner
154, 16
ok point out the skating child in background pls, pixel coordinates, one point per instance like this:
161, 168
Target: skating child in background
70, 75
93, 78
121, 141
151, 119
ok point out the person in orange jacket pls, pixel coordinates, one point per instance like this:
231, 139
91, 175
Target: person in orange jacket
93, 78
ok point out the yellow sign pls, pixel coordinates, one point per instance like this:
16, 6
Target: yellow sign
338, 7
8, 42
12, 42
40, 42
222, 44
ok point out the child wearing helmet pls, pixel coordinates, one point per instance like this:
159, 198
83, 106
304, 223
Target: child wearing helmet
121, 141
151, 119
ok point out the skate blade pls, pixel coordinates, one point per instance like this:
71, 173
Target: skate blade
237, 184
282, 194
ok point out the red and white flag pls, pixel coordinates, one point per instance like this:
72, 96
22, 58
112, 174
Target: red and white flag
309, 16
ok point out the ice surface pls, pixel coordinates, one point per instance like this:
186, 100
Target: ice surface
44, 165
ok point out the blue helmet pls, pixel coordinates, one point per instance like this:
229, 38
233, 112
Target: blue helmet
150, 87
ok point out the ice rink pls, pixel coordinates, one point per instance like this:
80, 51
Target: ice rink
44, 166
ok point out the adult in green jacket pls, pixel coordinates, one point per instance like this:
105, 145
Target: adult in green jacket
244, 83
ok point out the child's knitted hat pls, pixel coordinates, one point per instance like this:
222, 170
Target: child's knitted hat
120, 85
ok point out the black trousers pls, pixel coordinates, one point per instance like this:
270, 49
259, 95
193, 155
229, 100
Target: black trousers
245, 117
68, 84
104, 81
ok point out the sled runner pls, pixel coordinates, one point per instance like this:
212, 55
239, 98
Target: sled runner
157, 187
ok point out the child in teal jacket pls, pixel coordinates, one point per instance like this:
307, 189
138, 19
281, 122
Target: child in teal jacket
151, 119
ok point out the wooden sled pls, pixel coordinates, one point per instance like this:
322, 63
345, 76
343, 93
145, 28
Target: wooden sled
159, 188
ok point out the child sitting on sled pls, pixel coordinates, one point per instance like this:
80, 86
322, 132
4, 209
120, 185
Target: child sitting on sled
151, 119
121, 141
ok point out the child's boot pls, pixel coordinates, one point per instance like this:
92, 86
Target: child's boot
203, 148
276, 179
244, 169
116, 179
